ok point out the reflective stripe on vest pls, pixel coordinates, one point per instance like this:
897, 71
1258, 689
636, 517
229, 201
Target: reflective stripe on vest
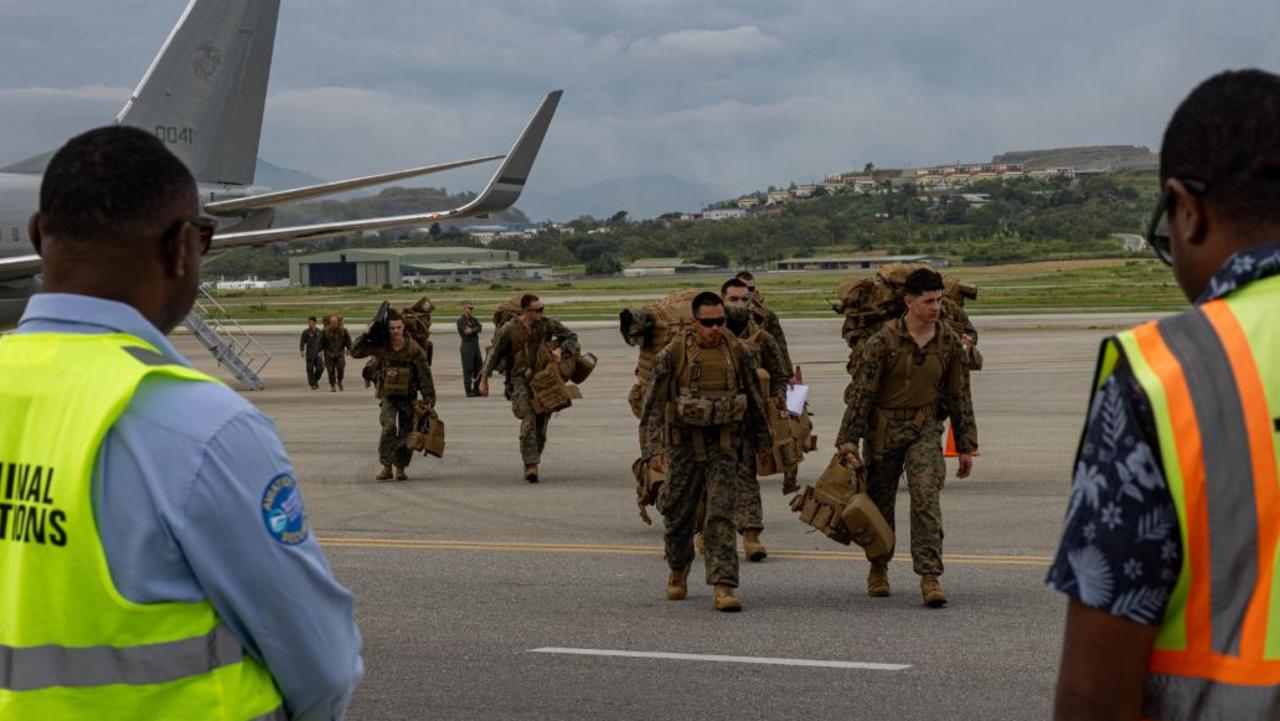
71, 646
1212, 376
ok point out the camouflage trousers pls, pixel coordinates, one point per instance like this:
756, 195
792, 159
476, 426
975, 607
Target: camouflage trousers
533, 426
689, 482
396, 416
336, 364
749, 513
919, 453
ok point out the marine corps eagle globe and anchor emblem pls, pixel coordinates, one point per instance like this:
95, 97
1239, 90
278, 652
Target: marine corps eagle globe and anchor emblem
208, 58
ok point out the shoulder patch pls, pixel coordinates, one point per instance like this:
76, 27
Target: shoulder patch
282, 511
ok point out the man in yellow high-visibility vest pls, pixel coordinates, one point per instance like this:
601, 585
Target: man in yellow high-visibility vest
155, 556
1169, 549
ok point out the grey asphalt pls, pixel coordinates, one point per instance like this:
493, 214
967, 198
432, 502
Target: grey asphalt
461, 572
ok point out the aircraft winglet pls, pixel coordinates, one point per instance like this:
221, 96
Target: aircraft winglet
501, 193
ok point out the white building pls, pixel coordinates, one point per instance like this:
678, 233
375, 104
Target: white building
251, 284
723, 213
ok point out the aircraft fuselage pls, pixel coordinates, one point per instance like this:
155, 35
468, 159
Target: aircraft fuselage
19, 198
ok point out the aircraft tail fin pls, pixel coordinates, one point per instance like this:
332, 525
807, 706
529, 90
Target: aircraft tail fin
205, 91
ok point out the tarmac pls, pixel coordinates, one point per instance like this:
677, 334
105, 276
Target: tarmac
483, 597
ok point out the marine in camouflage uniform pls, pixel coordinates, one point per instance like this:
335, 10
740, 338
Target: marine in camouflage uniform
900, 396
703, 462
524, 348
336, 342
765, 317
396, 399
768, 354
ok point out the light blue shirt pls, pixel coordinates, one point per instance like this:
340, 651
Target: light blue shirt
178, 490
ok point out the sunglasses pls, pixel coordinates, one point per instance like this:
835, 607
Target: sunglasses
537, 310
1158, 226
204, 224
711, 322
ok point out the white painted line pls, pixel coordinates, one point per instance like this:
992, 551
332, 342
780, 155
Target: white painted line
812, 663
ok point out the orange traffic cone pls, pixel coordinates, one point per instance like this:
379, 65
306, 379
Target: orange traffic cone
950, 451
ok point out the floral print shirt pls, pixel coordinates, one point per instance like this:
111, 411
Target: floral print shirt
1120, 550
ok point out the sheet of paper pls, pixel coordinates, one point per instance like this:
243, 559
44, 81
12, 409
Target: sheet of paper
796, 396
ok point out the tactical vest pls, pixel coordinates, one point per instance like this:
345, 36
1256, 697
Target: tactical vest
706, 392
1212, 376
71, 647
911, 382
754, 339
530, 353
396, 376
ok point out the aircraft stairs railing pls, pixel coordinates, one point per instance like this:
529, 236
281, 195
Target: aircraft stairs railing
228, 342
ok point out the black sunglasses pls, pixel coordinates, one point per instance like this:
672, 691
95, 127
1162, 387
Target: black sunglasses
711, 322
1159, 241
204, 224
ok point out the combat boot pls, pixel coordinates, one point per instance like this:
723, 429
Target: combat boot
725, 600
678, 584
384, 474
531, 473
333, 388
340, 386
752, 546
932, 592
400, 474
878, 580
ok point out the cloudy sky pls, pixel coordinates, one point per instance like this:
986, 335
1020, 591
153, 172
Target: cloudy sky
738, 95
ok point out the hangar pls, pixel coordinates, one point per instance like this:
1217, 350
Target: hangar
379, 267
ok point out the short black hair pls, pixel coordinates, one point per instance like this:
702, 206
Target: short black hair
732, 283
923, 280
705, 299
745, 275
527, 300
108, 183
311, 318
1226, 134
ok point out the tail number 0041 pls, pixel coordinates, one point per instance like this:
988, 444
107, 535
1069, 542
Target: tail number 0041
176, 136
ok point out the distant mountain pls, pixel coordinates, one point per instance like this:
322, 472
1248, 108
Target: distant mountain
1090, 157
642, 197
278, 178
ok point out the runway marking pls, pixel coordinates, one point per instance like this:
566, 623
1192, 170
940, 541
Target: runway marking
716, 658
621, 550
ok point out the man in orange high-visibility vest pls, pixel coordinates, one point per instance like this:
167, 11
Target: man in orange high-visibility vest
1169, 549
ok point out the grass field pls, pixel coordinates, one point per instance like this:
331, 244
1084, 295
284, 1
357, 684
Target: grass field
1070, 286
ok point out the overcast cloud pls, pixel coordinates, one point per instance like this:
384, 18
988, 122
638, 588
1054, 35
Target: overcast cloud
738, 95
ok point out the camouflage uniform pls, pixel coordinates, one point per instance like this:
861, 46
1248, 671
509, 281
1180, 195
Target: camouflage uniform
749, 515
896, 404
525, 351
396, 411
768, 320
703, 463
336, 343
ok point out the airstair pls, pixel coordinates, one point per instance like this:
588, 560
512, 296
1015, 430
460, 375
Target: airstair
227, 341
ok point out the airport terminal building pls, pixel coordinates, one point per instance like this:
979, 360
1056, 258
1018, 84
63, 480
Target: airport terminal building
378, 267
